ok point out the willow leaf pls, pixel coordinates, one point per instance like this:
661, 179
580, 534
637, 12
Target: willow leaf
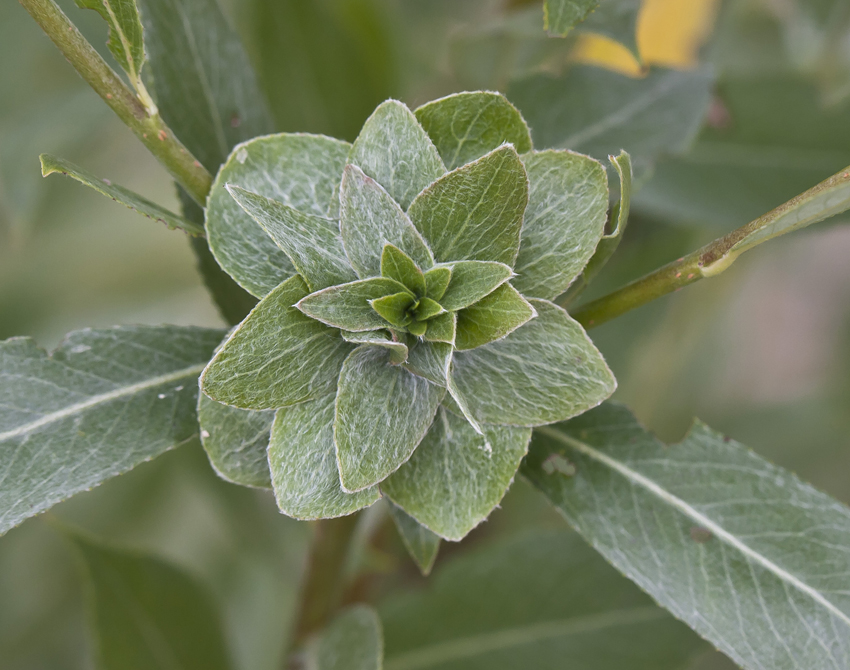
421, 543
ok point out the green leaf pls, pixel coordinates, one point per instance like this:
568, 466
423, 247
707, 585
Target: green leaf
395, 151
52, 164
353, 641
564, 221
312, 243
465, 126
370, 219
277, 356
417, 328
382, 413
303, 463
475, 212
617, 19
543, 601
394, 308
491, 318
428, 309
301, 171
470, 281
546, 371
236, 441
429, 360
349, 306
126, 38
379, 338
421, 543
103, 402
147, 613
561, 16
395, 264
456, 477
437, 281
442, 328
741, 550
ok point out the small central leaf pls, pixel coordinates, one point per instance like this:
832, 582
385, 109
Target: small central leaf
427, 309
349, 306
437, 281
395, 308
395, 264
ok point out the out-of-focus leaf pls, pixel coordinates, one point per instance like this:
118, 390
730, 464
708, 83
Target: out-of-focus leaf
560, 16
147, 613
544, 601
742, 551
617, 19
421, 543
103, 402
352, 641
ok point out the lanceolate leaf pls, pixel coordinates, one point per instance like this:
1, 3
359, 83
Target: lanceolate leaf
382, 413
147, 613
126, 41
51, 164
303, 462
312, 243
560, 16
301, 171
348, 306
103, 402
545, 370
277, 356
353, 641
471, 281
491, 318
745, 553
236, 441
421, 543
397, 265
437, 281
456, 477
395, 151
465, 126
475, 212
379, 338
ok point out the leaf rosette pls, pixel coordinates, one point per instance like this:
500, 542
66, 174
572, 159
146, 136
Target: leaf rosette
406, 341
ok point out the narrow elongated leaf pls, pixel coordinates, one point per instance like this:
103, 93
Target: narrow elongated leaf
379, 338
470, 281
302, 457
745, 553
382, 413
561, 16
312, 243
103, 402
430, 360
543, 601
236, 441
395, 151
348, 306
492, 318
456, 477
475, 212
421, 543
126, 39
277, 356
397, 265
352, 641
370, 219
301, 171
52, 164
465, 126
147, 613
564, 221
547, 369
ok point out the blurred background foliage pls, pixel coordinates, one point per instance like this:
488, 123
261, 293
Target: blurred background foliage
761, 353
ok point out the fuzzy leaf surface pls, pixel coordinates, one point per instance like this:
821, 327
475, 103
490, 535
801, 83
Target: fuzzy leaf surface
428, 309
348, 306
442, 328
302, 457
394, 308
300, 171
102, 403
126, 38
437, 281
430, 360
397, 265
312, 243
491, 318
354, 640
465, 126
379, 338
277, 356
456, 477
564, 221
475, 212
382, 413
561, 16
421, 543
750, 557
546, 370
395, 151
470, 281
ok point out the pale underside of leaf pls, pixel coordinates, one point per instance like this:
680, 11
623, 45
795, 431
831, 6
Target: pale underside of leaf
421, 543
353, 641
492, 318
349, 306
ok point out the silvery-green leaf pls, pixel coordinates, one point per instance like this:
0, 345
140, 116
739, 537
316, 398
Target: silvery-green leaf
475, 212
442, 328
470, 281
277, 356
51, 164
456, 477
564, 221
394, 308
465, 126
236, 441
491, 318
102, 403
348, 306
395, 151
428, 309
382, 413
301, 171
311, 242
750, 557
302, 458
544, 372
421, 543
379, 338
437, 281
397, 265
560, 16
126, 39
353, 641
370, 219
429, 360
